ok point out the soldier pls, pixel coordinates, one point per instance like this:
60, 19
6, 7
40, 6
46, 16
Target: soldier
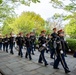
33, 38
0, 42
54, 36
60, 53
20, 44
11, 43
49, 45
42, 41
3, 42
28, 46
6, 43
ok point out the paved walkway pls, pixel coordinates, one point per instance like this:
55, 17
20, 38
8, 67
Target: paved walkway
14, 65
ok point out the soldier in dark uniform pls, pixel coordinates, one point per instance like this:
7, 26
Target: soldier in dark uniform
42, 41
11, 43
60, 53
20, 44
49, 45
0, 42
17, 39
54, 36
33, 38
28, 43
3, 42
6, 43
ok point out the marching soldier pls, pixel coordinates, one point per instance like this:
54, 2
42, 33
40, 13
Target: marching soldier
11, 43
0, 42
54, 36
60, 53
42, 41
20, 44
3, 42
6, 43
33, 38
28, 46
49, 45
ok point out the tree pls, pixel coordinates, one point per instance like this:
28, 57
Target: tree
26, 22
70, 28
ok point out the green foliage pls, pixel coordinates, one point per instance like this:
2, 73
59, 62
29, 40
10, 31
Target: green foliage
71, 27
71, 7
0, 1
56, 3
26, 22
72, 44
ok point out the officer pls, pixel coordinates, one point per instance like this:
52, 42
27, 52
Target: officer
28, 43
3, 42
6, 43
33, 38
20, 44
54, 36
60, 53
0, 42
49, 45
42, 41
11, 43
17, 39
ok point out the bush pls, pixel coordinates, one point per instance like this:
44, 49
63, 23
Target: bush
72, 44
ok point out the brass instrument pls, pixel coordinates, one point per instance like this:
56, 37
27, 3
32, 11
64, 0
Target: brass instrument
42, 48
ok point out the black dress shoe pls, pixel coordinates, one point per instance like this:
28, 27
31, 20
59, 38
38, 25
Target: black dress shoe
40, 62
55, 67
46, 64
67, 71
33, 54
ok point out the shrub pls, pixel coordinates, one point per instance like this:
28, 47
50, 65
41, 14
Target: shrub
72, 44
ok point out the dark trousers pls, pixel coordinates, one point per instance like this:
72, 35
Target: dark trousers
3, 46
0, 46
52, 53
6, 47
20, 51
32, 49
42, 57
11, 49
28, 53
60, 58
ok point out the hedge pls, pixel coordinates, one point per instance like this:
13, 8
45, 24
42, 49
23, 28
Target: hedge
72, 44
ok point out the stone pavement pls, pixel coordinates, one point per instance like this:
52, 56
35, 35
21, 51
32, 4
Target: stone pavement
15, 65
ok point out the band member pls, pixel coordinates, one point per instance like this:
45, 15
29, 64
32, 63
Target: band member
17, 39
60, 53
54, 36
3, 42
33, 38
42, 41
6, 43
20, 44
49, 45
0, 42
28, 46
11, 43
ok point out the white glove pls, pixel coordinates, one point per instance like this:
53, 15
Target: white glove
69, 50
44, 45
61, 52
47, 48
